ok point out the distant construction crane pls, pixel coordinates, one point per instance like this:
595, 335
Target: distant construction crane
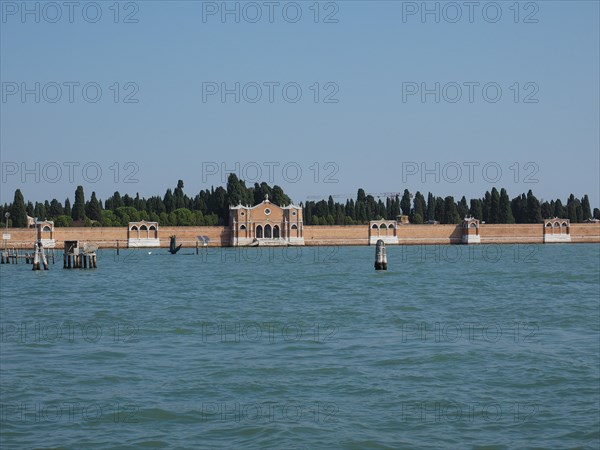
376, 195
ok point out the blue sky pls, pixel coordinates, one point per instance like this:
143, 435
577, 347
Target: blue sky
373, 136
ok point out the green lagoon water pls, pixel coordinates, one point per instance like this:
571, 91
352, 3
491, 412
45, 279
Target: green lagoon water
453, 347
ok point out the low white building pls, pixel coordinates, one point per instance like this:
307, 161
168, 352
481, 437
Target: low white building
143, 234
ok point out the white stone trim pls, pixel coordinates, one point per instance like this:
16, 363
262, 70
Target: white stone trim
143, 242
386, 239
471, 239
557, 238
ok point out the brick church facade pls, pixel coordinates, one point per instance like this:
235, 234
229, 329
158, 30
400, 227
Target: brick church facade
266, 224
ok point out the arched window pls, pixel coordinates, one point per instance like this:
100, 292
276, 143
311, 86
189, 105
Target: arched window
242, 227
259, 231
268, 231
374, 227
134, 228
294, 227
46, 228
276, 231
473, 225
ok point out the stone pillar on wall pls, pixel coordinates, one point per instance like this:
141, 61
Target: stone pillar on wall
470, 231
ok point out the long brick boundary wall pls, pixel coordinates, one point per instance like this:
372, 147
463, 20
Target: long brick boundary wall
316, 235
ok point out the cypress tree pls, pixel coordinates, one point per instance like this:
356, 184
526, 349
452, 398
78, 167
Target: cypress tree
234, 192
39, 211
360, 196
361, 212
117, 201
93, 210
419, 208
78, 212
381, 209
18, 213
430, 207
547, 210
440, 210
494, 216
169, 201
330, 206
405, 203
56, 208
279, 197
179, 197
450, 211
534, 210
579, 211
487, 204
307, 212
586, 209
463, 208
505, 215
67, 211
559, 209
476, 209
572, 209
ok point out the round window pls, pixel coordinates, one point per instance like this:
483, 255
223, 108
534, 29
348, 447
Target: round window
293, 213
242, 213
267, 211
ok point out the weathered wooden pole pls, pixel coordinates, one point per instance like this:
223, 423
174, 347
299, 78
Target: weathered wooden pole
36, 257
380, 256
117, 248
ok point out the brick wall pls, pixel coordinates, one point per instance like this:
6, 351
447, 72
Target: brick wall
318, 235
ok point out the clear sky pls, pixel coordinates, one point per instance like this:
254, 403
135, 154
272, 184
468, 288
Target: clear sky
364, 124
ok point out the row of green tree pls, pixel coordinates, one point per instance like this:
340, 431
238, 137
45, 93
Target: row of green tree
494, 207
211, 207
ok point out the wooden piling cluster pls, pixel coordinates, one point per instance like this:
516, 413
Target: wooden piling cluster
80, 261
39, 257
12, 257
76, 257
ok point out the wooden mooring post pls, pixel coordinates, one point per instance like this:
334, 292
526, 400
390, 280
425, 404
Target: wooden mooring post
380, 256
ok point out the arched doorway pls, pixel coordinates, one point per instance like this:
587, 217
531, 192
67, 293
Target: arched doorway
259, 231
268, 231
276, 231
